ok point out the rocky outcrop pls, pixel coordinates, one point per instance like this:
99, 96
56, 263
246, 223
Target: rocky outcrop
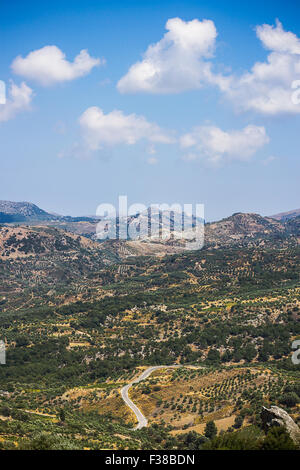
276, 416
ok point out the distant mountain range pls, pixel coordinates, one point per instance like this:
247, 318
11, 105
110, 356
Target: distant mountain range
28, 212
238, 230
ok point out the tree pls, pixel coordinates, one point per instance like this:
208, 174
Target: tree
249, 352
21, 341
62, 415
289, 399
278, 439
41, 441
238, 422
210, 430
213, 356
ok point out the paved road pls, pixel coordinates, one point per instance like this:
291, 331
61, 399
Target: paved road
142, 421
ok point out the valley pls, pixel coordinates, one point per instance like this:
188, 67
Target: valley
83, 321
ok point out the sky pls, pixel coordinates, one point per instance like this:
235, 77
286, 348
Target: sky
163, 101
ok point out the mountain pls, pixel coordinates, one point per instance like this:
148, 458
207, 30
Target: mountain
151, 225
283, 216
238, 230
16, 212
244, 229
22, 212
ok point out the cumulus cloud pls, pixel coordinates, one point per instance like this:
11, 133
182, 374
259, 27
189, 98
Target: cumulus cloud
48, 65
267, 88
18, 100
183, 60
276, 39
216, 145
178, 62
116, 128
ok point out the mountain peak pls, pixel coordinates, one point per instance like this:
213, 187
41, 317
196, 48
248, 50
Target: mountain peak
21, 212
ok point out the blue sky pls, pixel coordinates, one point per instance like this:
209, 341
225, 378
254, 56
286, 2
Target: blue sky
208, 128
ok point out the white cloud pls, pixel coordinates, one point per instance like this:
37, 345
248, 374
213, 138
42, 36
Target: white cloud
182, 60
48, 65
217, 145
176, 63
276, 39
18, 100
116, 128
267, 88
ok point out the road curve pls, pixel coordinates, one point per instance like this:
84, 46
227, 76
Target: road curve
142, 421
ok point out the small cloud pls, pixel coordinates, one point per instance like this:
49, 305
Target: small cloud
18, 100
49, 66
116, 128
217, 145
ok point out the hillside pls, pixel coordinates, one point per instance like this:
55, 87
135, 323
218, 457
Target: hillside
293, 226
19, 242
244, 229
82, 318
283, 216
22, 212
77, 329
240, 229
40, 258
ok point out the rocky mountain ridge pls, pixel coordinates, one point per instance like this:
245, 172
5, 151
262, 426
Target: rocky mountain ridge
238, 230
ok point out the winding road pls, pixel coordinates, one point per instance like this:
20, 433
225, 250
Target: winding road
142, 421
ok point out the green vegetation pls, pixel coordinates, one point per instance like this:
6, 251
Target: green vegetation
77, 327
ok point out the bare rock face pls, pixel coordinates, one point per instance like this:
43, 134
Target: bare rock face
276, 416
